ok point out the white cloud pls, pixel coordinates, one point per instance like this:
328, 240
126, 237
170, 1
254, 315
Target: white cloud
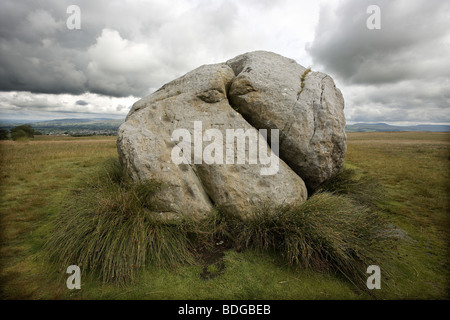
29, 105
111, 54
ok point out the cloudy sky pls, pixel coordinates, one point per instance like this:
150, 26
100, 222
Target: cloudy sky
125, 50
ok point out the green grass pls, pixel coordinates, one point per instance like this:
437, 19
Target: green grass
302, 80
408, 171
413, 169
35, 178
248, 275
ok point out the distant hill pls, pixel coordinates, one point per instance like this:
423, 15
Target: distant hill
70, 121
374, 127
110, 126
97, 126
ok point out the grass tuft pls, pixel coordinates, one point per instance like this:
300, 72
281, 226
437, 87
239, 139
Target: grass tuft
109, 227
302, 80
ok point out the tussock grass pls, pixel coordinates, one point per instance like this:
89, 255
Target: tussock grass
326, 233
112, 226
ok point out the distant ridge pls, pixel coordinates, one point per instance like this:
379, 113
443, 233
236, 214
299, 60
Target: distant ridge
85, 126
75, 121
110, 125
69, 120
375, 127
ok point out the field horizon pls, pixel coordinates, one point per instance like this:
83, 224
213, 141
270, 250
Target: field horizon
109, 126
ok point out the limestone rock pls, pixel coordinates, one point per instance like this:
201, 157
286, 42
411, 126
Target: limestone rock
270, 93
145, 145
257, 90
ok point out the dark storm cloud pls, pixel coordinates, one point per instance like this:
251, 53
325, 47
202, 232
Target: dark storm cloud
410, 43
398, 73
120, 50
40, 54
32, 52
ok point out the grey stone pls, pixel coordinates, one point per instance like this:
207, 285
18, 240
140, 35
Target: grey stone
268, 92
259, 90
145, 146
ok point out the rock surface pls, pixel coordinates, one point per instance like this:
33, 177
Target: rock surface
145, 147
256, 90
268, 92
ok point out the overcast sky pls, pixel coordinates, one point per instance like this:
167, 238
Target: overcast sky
127, 49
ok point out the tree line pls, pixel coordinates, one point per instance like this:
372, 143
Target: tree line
24, 131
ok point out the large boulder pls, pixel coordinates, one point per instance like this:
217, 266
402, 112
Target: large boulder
146, 147
272, 91
178, 135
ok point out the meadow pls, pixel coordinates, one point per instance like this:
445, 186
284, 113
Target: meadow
408, 175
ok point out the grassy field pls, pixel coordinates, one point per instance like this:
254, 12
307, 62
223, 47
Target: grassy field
38, 177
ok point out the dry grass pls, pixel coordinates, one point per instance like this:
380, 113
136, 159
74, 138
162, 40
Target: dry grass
34, 179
